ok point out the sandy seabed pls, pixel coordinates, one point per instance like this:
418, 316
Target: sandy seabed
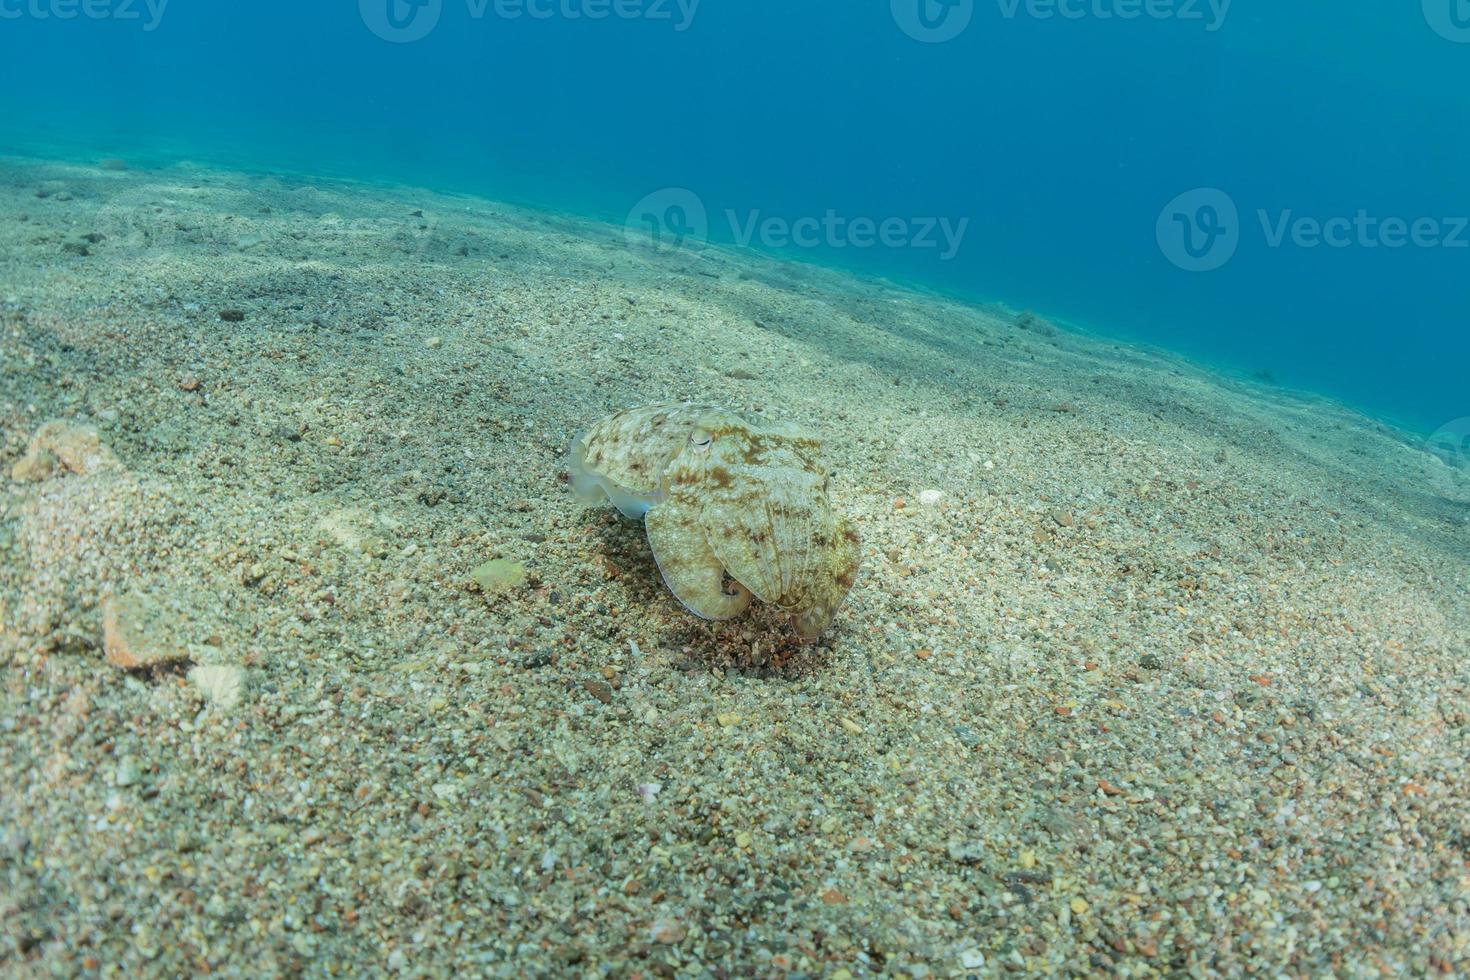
1170, 679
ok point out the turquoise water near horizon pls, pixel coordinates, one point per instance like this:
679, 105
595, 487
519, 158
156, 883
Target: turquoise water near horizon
1269, 190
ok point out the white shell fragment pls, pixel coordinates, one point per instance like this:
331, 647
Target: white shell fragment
222, 686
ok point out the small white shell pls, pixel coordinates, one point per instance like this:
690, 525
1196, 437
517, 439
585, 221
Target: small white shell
221, 686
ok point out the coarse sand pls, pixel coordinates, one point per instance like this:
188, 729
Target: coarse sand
1148, 670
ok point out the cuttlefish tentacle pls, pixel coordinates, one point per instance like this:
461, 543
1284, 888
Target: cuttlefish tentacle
741, 540
844, 557
761, 507
689, 565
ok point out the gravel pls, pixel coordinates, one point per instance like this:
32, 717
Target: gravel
1169, 677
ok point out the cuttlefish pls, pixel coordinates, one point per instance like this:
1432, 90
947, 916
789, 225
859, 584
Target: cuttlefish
733, 509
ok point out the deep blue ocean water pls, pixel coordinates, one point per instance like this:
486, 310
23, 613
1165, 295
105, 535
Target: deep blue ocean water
1267, 186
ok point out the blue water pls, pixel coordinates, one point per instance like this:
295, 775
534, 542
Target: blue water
1059, 140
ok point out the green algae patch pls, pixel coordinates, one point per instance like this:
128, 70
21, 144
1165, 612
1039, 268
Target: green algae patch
499, 576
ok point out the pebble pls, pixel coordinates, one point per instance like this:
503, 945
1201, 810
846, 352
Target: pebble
64, 446
499, 576
35, 466
930, 497
220, 685
137, 632
127, 772
966, 852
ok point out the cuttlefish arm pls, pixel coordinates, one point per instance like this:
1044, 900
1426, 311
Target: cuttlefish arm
689, 565
837, 574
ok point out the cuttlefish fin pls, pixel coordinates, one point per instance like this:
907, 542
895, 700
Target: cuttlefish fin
689, 565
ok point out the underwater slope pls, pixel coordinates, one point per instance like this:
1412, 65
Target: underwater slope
1171, 675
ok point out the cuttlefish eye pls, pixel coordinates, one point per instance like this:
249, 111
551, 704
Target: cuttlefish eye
700, 440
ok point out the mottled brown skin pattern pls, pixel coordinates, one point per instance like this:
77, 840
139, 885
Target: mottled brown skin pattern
632, 448
734, 499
